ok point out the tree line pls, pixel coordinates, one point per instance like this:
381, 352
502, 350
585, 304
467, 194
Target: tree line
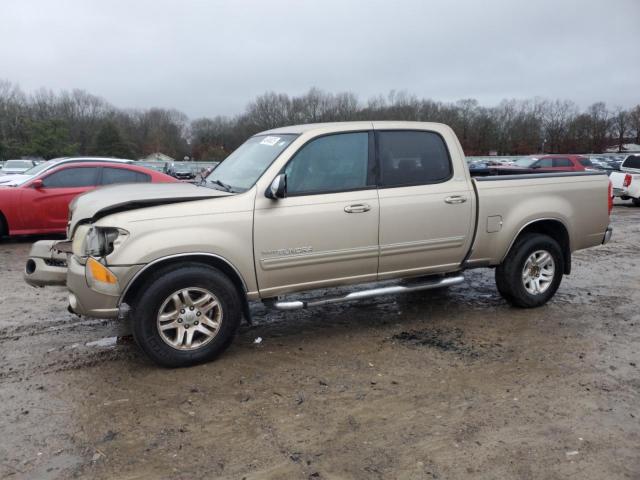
46, 124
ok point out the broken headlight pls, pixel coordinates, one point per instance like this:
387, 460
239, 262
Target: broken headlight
101, 241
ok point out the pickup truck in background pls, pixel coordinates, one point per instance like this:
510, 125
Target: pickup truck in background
626, 182
306, 207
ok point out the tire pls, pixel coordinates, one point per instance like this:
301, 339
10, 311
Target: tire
636, 202
543, 273
181, 342
4, 227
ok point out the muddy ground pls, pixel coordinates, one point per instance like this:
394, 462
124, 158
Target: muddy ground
437, 385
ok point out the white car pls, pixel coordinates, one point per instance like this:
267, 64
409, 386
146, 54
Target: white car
12, 167
626, 182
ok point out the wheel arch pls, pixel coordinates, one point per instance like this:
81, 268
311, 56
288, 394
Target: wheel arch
553, 228
147, 272
4, 225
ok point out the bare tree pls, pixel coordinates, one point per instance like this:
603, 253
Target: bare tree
619, 127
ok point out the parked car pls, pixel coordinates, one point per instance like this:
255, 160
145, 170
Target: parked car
563, 163
626, 182
44, 166
13, 167
39, 205
605, 164
182, 171
313, 206
157, 166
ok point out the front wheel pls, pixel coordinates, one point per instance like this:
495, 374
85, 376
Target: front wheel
636, 202
188, 315
532, 271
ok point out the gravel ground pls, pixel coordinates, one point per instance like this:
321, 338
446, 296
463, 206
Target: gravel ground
437, 385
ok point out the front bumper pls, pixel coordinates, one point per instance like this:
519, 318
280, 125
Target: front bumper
44, 267
83, 300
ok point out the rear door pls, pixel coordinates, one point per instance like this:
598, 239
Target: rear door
47, 208
426, 206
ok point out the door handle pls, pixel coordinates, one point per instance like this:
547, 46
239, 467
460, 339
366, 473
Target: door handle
455, 199
357, 208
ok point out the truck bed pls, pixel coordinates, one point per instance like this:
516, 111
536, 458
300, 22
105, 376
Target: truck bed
508, 203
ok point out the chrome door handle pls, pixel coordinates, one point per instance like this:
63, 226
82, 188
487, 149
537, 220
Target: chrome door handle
455, 199
357, 208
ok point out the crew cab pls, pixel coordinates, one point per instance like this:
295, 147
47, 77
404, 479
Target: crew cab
300, 208
626, 182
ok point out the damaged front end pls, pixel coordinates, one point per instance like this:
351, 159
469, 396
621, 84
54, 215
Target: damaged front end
47, 263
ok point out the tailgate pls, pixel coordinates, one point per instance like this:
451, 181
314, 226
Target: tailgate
617, 178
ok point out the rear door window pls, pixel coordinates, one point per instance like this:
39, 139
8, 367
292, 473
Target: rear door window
562, 162
72, 177
412, 158
122, 175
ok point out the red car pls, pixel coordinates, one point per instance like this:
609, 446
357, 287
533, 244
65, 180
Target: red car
40, 204
563, 163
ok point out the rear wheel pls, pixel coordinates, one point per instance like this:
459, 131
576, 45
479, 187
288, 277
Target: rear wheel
636, 202
188, 315
532, 271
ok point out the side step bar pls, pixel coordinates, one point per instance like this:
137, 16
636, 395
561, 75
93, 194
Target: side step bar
374, 292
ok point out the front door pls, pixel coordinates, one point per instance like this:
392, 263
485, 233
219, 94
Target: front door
425, 205
325, 231
47, 208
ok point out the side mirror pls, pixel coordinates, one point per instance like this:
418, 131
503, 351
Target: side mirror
37, 184
278, 187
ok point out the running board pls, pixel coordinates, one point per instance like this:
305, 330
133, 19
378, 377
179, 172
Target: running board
374, 292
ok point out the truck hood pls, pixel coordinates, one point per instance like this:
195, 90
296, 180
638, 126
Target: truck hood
104, 201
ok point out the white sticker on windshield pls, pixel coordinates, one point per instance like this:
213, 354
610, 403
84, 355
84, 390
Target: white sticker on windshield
271, 141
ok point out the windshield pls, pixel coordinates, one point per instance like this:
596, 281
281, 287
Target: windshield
183, 166
525, 162
240, 170
18, 164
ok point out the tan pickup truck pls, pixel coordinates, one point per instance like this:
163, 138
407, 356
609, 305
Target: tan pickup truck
307, 207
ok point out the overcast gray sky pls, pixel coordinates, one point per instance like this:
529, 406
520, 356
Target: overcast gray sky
211, 57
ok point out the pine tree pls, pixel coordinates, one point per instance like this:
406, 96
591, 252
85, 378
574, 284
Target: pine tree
109, 142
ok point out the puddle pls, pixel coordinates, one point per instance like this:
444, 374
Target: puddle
110, 342
449, 340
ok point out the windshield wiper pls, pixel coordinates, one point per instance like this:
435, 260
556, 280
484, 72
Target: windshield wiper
227, 188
